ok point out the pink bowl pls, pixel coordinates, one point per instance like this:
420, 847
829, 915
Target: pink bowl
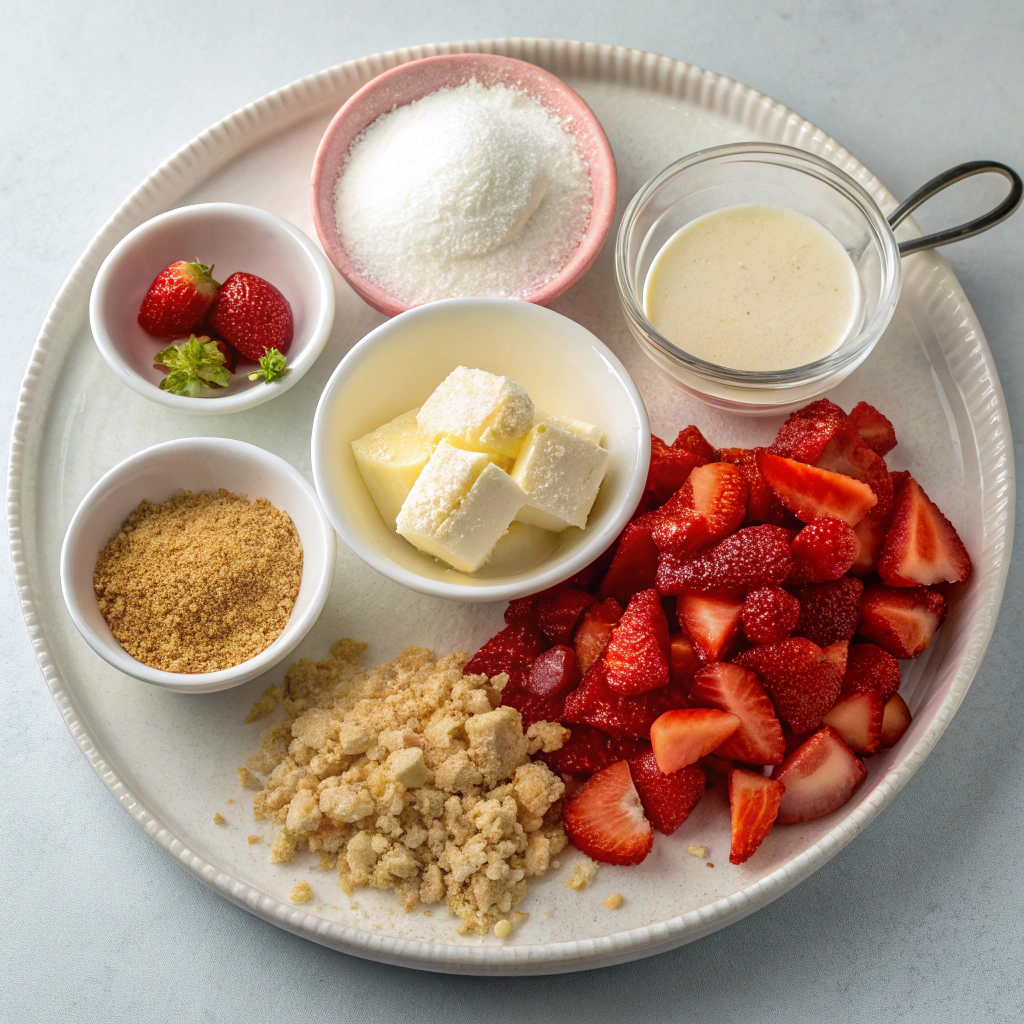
419, 78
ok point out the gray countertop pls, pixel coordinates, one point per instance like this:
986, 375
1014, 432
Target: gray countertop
918, 919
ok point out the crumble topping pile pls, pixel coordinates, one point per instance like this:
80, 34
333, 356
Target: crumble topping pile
410, 777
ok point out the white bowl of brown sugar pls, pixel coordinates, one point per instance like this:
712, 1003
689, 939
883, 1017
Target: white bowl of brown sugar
197, 564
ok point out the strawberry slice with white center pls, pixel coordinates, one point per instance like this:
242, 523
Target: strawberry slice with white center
667, 799
901, 620
595, 630
922, 546
605, 819
754, 805
820, 776
857, 717
809, 492
637, 655
732, 688
710, 621
685, 735
895, 721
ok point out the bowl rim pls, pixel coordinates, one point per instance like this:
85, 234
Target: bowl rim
602, 212
843, 359
315, 262
597, 543
199, 682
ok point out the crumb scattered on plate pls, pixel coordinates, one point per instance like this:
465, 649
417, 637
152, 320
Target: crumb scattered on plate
253, 840
301, 892
697, 851
218, 819
613, 901
584, 871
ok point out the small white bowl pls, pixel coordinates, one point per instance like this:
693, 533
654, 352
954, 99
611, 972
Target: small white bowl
232, 238
566, 370
195, 464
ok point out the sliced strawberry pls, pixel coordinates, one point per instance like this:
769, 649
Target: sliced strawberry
922, 547
857, 717
522, 611
755, 556
693, 440
901, 620
715, 765
554, 674
877, 432
684, 736
868, 667
595, 703
514, 648
711, 622
682, 662
770, 614
753, 805
558, 614
809, 492
870, 533
895, 721
605, 819
709, 506
732, 688
762, 505
584, 753
838, 653
829, 611
819, 776
823, 550
667, 799
807, 432
847, 453
669, 469
636, 658
802, 683
635, 563
595, 630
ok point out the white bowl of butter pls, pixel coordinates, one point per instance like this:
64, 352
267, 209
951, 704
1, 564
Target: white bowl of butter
573, 380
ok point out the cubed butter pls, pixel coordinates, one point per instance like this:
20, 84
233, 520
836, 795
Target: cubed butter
390, 459
578, 427
477, 410
560, 473
407, 767
460, 507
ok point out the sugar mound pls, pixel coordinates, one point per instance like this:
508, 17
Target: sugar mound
472, 190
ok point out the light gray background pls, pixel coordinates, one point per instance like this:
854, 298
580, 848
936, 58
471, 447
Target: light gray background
919, 919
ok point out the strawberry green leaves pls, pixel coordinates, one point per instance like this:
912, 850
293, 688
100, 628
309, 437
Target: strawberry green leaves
192, 365
272, 367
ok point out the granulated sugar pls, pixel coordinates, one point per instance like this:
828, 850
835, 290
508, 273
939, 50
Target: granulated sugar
472, 190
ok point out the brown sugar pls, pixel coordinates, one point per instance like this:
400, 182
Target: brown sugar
199, 583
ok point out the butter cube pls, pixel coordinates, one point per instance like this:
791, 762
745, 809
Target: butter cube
460, 507
560, 473
407, 767
477, 410
390, 459
578, 427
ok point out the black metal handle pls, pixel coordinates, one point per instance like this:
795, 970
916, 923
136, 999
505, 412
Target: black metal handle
972, 227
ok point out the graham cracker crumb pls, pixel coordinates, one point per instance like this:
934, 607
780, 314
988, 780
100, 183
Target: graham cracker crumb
200, 583
695, 850
301, 892
230, 800
613, 901
247, 780
253, 840
218, 819
413, 781
269, 699
584, 871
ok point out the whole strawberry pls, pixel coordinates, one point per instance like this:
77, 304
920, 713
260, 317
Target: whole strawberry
252, 315
178, 300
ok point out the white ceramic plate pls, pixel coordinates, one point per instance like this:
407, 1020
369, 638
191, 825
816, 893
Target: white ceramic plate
169, 758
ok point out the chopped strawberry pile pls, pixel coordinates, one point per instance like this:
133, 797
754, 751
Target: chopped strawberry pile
750, 618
